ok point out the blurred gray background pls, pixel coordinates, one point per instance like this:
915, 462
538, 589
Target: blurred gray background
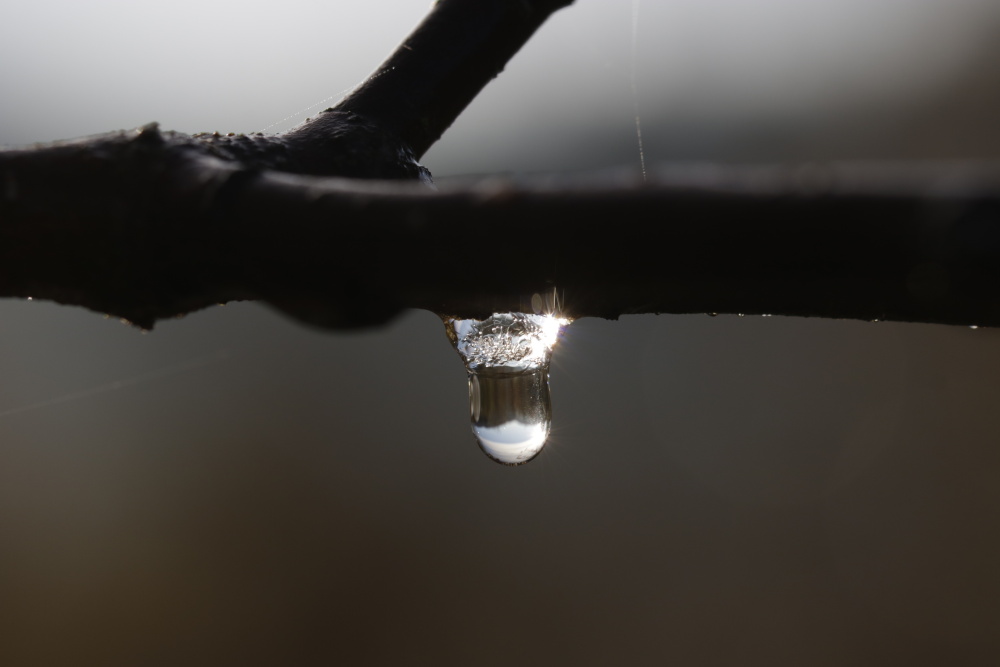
234, 488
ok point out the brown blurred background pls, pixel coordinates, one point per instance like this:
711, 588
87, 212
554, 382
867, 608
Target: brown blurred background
234, 488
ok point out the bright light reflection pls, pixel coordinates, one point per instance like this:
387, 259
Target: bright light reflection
513, 442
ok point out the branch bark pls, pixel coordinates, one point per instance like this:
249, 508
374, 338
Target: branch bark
149, 225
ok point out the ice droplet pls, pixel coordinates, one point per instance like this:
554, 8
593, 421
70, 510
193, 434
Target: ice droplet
507, 356
511, 412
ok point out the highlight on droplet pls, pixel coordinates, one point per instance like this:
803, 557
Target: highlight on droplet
507, 357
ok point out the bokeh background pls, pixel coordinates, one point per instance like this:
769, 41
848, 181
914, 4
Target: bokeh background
234, 488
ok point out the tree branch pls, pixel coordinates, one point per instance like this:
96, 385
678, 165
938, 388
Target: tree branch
383, 127
440, 68
148, 225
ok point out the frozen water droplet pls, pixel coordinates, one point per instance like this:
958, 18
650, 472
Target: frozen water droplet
507, 356
511, 412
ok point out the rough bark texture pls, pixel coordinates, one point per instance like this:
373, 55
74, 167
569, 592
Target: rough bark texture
147, 225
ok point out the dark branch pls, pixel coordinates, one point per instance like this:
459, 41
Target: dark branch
149, 225
872, 243
382, 128
438, 70
146, 235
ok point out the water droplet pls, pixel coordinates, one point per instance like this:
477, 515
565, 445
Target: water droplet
511, 412
507, 356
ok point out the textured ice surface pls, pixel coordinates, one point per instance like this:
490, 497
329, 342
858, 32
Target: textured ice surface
517, 341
